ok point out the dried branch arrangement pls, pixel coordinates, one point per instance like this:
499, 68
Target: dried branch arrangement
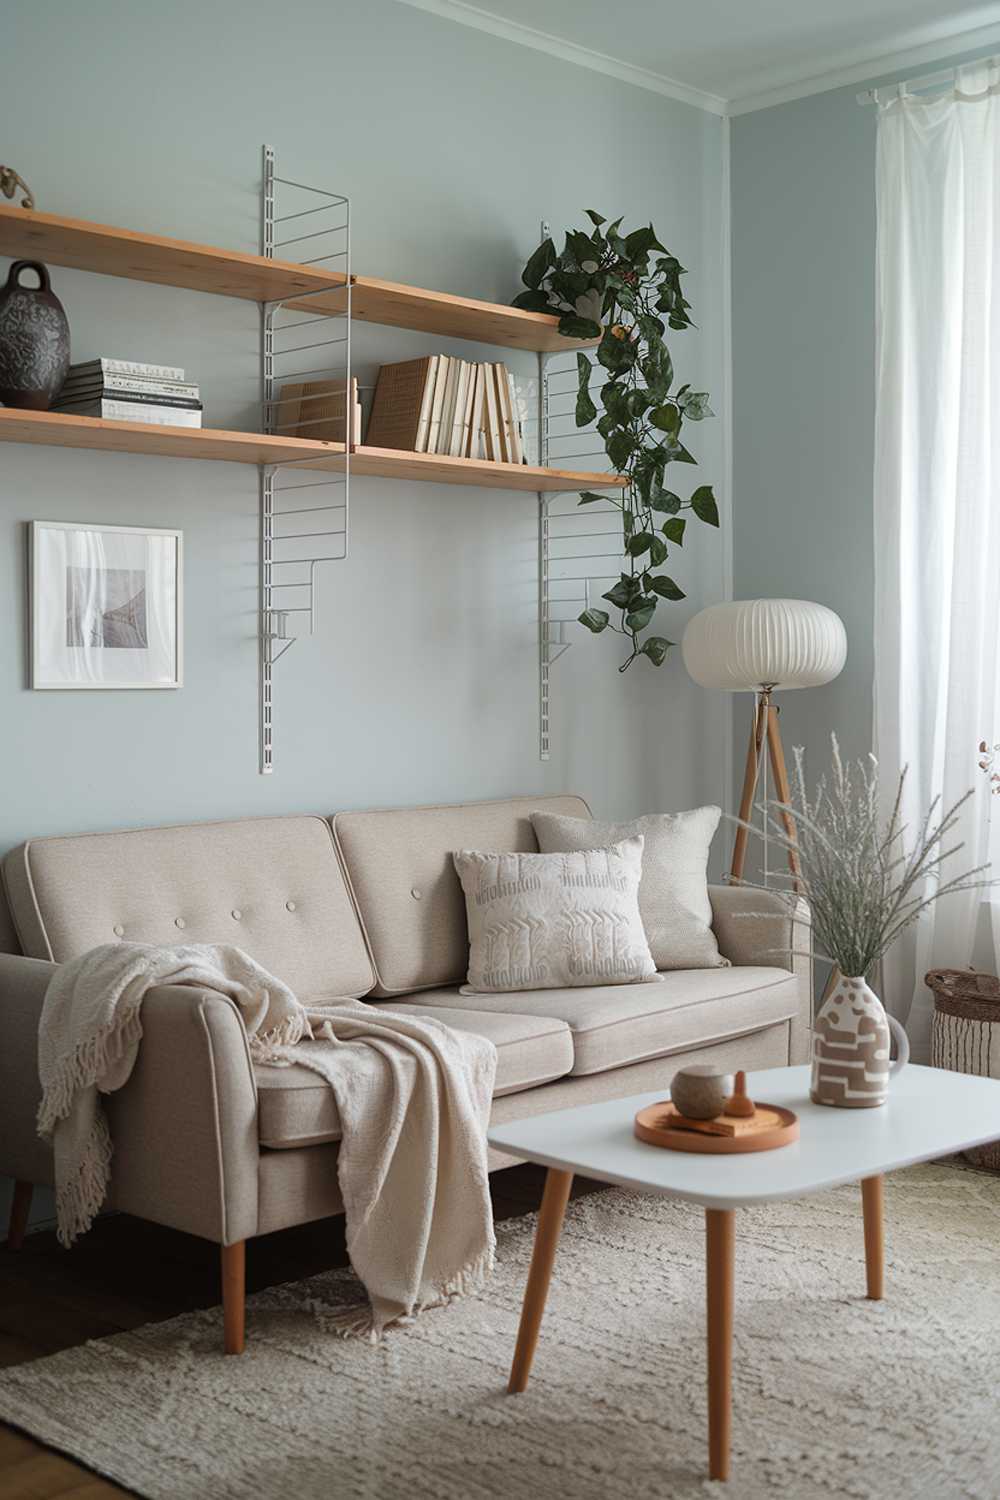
864, 877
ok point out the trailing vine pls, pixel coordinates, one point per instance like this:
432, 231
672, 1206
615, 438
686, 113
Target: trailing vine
625, 291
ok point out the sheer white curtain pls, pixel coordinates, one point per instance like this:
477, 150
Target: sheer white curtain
937, 504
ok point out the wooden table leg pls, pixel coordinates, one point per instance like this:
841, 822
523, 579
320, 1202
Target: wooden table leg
872, 1199
720, 1245
543, 1255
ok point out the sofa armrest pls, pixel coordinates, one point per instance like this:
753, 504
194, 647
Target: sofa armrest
184, 1126
23, 982
755, 927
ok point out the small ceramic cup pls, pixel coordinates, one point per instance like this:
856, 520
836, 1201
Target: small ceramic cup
700, 1092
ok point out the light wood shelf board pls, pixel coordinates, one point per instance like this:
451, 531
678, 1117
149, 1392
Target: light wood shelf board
110, 251
58, 429
392, 463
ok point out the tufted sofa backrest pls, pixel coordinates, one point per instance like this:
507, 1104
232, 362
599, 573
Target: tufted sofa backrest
272, 886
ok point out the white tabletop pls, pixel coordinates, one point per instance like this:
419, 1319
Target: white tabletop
930, 1113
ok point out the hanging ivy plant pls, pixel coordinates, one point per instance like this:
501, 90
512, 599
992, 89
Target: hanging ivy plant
626, 291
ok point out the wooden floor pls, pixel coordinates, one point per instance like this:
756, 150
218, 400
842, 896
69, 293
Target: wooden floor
126, 1272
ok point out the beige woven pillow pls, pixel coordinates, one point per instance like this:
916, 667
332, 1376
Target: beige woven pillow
548, 921
673, 897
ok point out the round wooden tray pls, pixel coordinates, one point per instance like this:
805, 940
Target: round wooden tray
770, 1126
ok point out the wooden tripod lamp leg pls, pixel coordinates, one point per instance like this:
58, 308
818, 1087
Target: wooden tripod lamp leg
758, 731
782, 789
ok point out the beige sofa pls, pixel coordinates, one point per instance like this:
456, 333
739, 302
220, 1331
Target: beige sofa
363, 904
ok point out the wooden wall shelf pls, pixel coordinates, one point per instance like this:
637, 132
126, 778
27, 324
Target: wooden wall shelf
58, 429
110, 251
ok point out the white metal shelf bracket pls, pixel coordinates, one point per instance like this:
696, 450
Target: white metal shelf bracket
567, 533
306, 389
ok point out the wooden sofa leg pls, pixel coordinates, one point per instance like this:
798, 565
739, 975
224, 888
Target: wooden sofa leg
234, 1295
19, 1209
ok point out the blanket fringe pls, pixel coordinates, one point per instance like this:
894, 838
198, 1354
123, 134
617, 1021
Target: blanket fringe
84, 1066
361, 1321
80, 1195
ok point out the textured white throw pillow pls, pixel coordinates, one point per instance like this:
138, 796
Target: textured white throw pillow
673, 897
548, 921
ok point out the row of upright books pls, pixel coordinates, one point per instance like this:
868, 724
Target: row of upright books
440, 404
124, 390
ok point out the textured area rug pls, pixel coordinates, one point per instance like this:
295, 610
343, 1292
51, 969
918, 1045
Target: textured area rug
834, 1395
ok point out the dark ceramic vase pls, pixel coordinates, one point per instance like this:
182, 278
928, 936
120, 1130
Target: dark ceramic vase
34, 340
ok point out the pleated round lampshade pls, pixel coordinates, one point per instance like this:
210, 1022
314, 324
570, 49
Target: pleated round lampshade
754, 643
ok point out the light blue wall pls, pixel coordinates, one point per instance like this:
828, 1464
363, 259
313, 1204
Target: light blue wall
803, 234
452, 145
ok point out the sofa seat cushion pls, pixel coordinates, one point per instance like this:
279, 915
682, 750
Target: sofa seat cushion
295, 1107
615, 1025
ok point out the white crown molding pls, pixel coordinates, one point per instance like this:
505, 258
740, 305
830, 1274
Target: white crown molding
858, 66
863, 65
583, 57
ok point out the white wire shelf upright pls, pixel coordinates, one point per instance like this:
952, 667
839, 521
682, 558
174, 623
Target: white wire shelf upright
305, 341
578, 546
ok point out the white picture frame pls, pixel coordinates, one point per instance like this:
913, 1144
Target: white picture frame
106, 606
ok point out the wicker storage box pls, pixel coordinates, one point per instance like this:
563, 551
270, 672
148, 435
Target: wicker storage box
965, 1034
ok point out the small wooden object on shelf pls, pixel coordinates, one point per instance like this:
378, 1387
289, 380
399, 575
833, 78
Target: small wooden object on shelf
742, 1126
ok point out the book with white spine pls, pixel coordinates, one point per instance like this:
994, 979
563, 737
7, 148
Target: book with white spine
130, 367
426, 402
125, 411
437, 404
447, 430
491, 423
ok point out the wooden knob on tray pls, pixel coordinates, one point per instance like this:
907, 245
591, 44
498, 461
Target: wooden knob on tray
740, 1106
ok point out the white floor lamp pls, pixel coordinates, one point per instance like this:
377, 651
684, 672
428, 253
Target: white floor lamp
763, 646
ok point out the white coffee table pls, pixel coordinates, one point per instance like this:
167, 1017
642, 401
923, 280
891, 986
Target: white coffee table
930, 1113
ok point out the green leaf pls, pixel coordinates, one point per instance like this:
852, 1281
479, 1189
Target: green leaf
673, 529
656, 648
623, 592
666, 587
597, 219
637, 402
594, 619
579, 247
640, 543
658, 370
640, 618
573, 327
620, 447
680, 455
533, 302
588, 497
668, 502
667, 418
704, 506
657, 552
641, 241
586, 411
616, 352
696, 407
538, 264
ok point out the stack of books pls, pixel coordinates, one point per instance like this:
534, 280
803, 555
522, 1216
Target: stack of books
440, 404
124, 391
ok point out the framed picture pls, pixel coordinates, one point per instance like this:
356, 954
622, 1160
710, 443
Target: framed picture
105, 606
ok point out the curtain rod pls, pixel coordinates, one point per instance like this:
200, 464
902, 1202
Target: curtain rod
929, 81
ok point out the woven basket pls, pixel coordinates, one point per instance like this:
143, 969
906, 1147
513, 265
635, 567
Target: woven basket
965, 1034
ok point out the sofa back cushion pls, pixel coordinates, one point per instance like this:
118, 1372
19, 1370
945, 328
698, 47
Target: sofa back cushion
272, 886
408, 895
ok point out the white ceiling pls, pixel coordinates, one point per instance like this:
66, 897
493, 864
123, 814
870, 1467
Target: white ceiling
734, 55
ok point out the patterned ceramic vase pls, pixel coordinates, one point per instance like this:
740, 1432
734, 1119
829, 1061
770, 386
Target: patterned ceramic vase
34, 340
851, 1035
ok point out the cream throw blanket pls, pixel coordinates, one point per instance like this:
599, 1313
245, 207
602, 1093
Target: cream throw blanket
413, 1097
